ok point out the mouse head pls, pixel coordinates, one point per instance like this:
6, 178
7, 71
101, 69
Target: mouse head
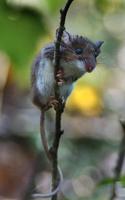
76, 47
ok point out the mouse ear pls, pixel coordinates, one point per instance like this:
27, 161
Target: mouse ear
66, 38
98, 44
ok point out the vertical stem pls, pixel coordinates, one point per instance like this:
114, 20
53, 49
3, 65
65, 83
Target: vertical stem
60, 108
119, 163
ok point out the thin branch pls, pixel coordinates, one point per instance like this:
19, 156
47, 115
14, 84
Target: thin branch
119, 165
60, 108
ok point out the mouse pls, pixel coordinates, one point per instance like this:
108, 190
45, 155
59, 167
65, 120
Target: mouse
78, 56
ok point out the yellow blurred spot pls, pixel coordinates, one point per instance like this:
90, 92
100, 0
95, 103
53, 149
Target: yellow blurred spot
85, 99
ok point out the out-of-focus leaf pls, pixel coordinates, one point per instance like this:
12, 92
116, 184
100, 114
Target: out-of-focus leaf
109, 181
20, 30
122, 181
106, 181
105, 6
54, 5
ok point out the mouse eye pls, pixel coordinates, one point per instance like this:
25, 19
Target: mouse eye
96, 53
79, 51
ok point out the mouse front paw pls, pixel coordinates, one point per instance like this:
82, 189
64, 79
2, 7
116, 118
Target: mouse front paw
60, 77
53, 102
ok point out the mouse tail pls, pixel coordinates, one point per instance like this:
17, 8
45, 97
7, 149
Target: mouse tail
43, 134
46, 149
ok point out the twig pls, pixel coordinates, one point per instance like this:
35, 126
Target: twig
60, 107
119, 164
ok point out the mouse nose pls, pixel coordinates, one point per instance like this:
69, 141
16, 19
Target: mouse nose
89, 65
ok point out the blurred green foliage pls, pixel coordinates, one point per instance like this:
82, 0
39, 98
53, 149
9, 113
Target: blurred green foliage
54, 5
105, 6
23, 26
20, 30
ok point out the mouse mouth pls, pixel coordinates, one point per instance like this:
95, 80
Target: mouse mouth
89, 66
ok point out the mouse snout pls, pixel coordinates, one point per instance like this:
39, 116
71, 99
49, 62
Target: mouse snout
89, 64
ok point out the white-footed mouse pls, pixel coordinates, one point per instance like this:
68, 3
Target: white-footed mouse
77, 56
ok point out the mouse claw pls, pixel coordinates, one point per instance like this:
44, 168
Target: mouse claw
60, 77
60, 82
53, 102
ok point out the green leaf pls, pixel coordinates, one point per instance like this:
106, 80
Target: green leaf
109, 181
108, 6
55, 5
20, 30
106, 181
